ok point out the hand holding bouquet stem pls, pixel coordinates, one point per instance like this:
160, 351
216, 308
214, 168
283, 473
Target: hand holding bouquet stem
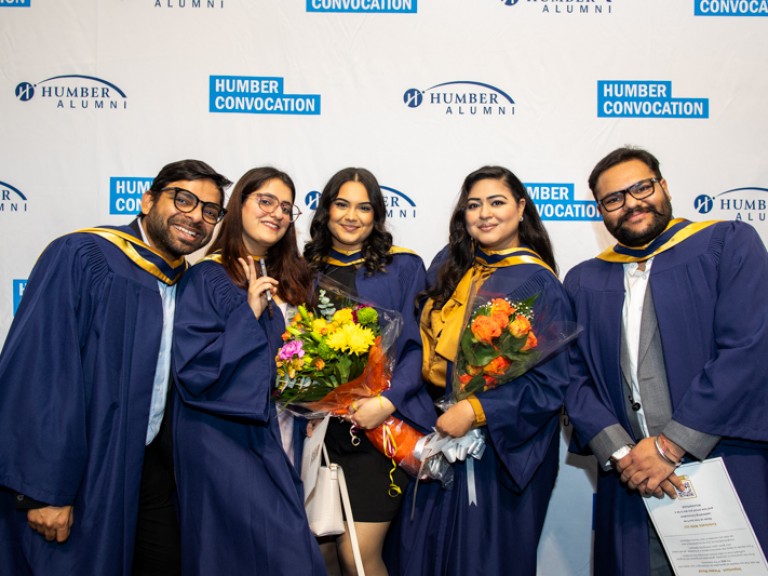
368, 413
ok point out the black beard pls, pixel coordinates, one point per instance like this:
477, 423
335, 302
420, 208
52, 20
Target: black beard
659, 224
159, 232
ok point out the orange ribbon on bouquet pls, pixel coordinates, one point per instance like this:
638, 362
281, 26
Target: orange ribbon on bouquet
393, 437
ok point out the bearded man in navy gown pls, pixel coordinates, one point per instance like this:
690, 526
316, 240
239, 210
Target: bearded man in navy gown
84, 375
670, 366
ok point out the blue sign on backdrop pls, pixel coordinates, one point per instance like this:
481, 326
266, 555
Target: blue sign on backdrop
731, 7
125, 194
18, 292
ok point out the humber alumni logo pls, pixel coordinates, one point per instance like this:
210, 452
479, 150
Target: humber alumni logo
581, 7
398, 205
11, 199
462, 98
75, 91
748, 204
189, 3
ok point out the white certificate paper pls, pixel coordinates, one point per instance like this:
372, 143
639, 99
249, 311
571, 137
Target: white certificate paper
705, 530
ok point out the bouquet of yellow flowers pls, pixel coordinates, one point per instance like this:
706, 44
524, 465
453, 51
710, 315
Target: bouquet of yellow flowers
334, 356
324, 348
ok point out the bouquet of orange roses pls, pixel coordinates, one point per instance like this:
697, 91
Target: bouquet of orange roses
502, 339
498, 345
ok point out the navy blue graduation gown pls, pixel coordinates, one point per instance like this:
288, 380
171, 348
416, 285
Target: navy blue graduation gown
711, 299
514, 478
241, 501
75, 386
397, 290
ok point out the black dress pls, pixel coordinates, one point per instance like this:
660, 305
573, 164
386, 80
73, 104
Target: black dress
366, 470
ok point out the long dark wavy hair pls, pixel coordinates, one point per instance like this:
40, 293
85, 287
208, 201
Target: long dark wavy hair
461, 245
375, 247
284, 260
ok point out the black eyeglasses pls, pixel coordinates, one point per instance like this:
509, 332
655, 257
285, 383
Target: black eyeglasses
269, 204
185, 202
638, 191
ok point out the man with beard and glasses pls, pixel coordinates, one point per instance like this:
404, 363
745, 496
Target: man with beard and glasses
669, 365
84, 377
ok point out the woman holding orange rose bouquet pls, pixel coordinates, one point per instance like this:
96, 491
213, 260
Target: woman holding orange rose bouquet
351, 245
492, 300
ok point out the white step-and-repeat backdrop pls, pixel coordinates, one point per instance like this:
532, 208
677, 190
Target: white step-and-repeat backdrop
97, 95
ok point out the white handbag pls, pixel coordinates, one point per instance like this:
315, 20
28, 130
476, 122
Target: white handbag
326, 493
323, 505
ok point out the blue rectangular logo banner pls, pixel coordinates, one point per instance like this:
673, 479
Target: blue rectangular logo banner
18, 292
15, 3
258, 95
125, 194
555, 201
369, 6
730, 8
646, 99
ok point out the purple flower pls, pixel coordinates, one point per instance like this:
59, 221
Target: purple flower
292, 348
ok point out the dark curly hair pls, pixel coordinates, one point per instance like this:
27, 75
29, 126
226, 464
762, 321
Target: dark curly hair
375, 248
284, 260
461, 245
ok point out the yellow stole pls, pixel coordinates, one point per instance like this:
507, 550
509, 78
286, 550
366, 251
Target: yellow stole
441, 328
340, 258
677, 231
167, 271
216, 257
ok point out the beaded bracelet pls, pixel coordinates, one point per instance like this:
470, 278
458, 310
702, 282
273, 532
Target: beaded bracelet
663, 454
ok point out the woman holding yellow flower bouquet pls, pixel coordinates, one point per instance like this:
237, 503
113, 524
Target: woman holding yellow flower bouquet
350, 244
241, 499
490, 286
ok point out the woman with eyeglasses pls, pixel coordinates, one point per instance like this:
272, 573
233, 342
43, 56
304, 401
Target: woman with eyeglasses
350, 244
240, 499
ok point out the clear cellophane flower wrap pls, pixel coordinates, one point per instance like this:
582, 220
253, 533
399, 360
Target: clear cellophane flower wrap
340, 352
502, 339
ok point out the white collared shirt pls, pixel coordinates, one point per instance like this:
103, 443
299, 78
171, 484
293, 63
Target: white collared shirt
635, 286
163, 368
